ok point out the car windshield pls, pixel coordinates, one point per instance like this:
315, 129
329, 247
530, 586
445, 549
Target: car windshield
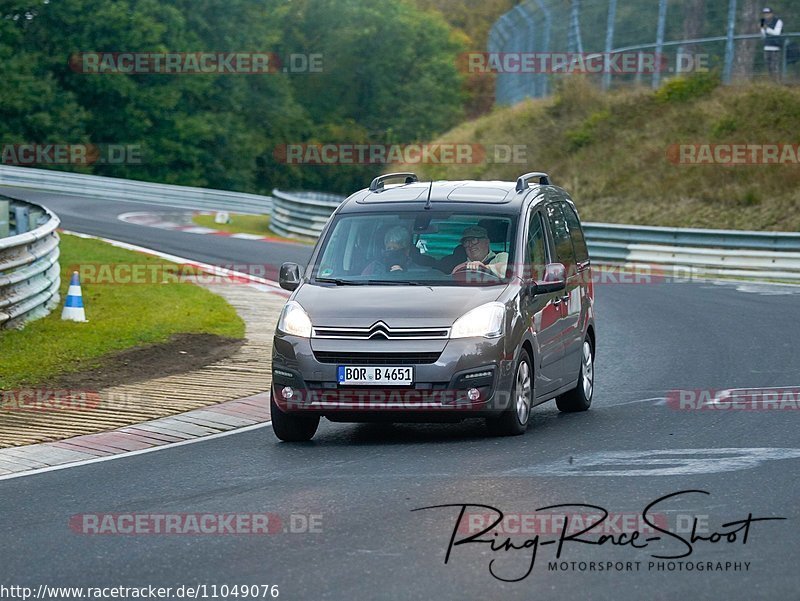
430, 248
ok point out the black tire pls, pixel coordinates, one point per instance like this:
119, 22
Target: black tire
513, 421
292, 428
580, 397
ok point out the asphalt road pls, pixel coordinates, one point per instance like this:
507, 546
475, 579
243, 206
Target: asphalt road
361, 483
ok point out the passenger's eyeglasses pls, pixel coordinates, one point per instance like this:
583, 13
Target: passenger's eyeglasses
471, 241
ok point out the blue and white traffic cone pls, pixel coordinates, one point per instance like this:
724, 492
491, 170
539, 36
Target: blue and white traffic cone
73, 306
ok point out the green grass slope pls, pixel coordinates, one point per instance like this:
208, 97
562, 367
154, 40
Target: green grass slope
616, 153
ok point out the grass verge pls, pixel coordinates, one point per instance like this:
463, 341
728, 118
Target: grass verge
120, 316
245, 224
617, 153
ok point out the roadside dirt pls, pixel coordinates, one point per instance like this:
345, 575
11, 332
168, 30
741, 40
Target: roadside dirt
182, 353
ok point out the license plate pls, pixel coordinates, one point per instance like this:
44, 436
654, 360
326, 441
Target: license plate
386, 375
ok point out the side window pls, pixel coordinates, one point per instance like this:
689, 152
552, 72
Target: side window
576, 232
558, 225
536, 254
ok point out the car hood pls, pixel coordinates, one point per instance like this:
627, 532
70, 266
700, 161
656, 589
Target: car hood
396, 306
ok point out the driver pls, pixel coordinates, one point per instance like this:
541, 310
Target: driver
475, 241
396, 256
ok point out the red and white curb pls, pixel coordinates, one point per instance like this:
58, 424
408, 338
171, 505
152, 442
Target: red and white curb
214, 421
165, 221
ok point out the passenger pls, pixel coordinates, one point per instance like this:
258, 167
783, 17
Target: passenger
397, 253
475, 241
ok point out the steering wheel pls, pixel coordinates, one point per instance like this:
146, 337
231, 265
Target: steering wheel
480, 268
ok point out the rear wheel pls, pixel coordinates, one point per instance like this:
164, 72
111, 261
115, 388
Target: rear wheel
580, 397
514, 418
290, 427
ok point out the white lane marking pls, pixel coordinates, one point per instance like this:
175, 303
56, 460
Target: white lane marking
658, 462
273, 286
197, 230
150, 219
247, 236
659, 400
164, 447
762, 288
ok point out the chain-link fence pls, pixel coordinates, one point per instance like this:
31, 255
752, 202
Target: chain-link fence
637, 42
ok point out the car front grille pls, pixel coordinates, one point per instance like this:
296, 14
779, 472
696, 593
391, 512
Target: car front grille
344, 358
380, 331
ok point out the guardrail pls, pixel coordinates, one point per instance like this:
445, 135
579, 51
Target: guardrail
301, 213
774, 255
29, 270
110, 188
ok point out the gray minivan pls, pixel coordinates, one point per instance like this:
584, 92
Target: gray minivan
438, 301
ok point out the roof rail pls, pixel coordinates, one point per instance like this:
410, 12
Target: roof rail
377, 183
522, 180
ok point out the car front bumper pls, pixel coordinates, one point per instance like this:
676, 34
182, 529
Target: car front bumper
440, 390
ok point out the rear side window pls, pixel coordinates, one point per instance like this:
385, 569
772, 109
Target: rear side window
536, 254
576, 232
563, 243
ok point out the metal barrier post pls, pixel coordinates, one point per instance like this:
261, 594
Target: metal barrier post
22, 219
612, 17
662, 20
548, 26
33, 218
728, 68
4, 218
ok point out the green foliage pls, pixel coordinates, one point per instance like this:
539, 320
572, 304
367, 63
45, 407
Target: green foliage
724, 126
750, 198
389, 75
683, 89
586, 133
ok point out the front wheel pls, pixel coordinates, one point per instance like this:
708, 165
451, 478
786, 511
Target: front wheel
514, 418
292, 428
580, 397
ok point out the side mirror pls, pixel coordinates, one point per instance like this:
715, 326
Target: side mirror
290, 275
555, 279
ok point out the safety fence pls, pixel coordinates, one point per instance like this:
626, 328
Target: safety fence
662, 38
29, 270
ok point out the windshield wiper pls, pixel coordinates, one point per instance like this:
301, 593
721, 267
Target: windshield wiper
340, 282
396, 282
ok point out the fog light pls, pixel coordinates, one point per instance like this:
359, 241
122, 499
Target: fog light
473, 394
287, 392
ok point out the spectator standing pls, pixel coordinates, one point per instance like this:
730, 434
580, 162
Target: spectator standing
771, 29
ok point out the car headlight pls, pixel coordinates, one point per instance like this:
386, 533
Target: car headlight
294, 320
486, 320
